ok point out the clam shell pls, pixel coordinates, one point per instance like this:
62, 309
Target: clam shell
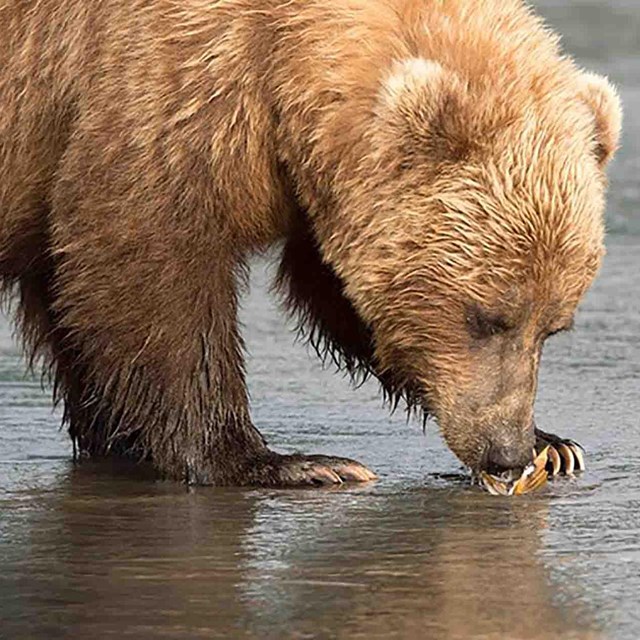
532, 478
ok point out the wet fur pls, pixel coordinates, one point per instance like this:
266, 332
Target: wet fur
147, 149
314, 295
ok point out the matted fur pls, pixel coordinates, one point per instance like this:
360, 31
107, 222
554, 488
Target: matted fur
416, 158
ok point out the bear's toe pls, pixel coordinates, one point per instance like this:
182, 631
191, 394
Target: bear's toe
565, 456
313, 470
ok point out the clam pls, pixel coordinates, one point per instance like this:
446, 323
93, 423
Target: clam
532, 478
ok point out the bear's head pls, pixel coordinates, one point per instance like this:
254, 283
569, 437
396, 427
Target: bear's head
473, 237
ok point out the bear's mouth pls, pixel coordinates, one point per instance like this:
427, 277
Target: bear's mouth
508, 483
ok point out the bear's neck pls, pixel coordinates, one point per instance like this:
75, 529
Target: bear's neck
324, 77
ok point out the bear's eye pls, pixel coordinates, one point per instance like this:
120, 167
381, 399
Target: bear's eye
561, 329
484, 324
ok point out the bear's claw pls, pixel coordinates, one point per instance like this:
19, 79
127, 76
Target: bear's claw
313, 470
565, 456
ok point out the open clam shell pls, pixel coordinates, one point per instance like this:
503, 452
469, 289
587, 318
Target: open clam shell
532, 478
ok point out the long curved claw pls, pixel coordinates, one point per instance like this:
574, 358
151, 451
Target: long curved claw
554, 460
311, 470
565, 456
578, 455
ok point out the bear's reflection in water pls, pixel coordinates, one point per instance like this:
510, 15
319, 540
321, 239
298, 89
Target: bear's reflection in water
110, 555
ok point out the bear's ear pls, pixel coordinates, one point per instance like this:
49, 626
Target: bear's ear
419, 99
604, 102
412, 81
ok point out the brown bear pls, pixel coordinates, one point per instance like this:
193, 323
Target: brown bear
433, 168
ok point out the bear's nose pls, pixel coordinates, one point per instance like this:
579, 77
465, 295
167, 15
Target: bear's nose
501, 458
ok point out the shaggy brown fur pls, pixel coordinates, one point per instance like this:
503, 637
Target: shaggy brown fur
434, 168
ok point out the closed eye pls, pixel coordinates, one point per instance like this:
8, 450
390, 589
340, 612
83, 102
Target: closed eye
483, 324
563, 329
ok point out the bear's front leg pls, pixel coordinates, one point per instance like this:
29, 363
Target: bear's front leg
146, 275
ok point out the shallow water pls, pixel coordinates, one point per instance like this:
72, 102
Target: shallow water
104, 550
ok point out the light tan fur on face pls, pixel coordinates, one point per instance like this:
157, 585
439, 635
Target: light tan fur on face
426, 155
481, 183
